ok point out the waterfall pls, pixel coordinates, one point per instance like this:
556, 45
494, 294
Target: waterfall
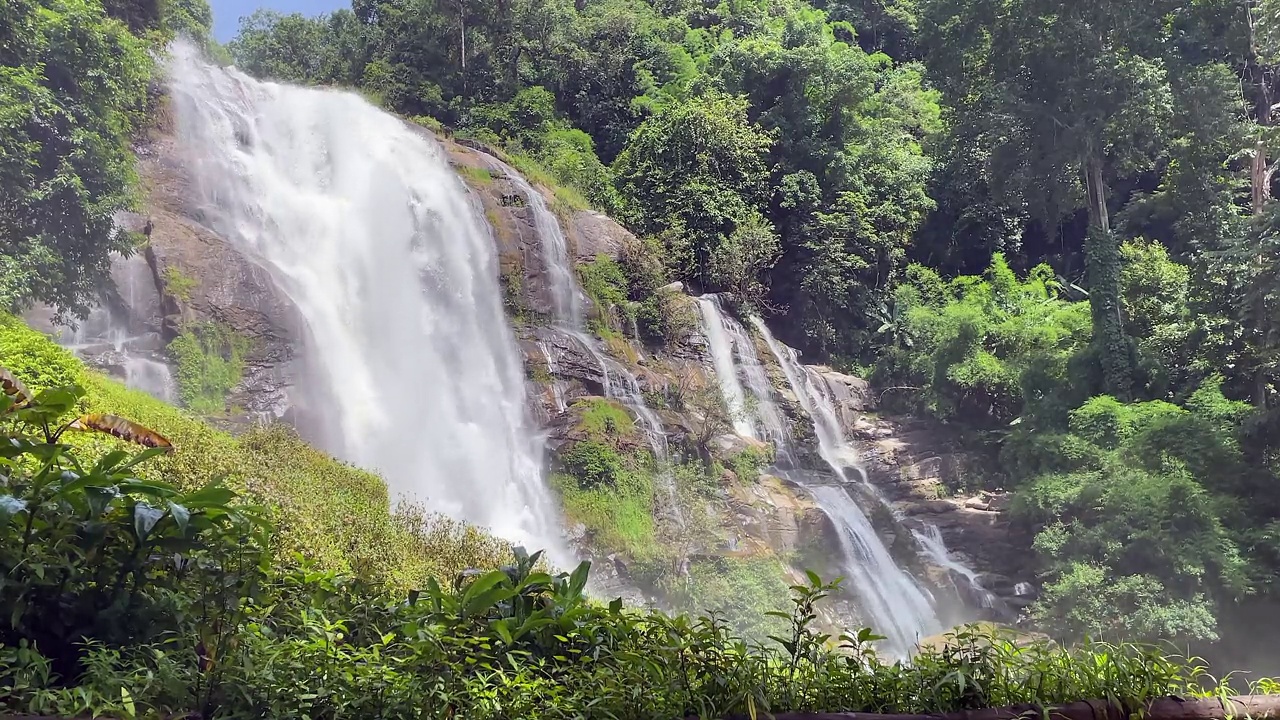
895, 604
104, 340
930, 539
898, 606
722, 360
362, 224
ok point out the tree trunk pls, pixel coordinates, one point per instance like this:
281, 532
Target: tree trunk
1102, 266
1255, 707
462, 29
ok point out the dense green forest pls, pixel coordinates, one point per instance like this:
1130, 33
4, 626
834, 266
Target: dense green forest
1047, 225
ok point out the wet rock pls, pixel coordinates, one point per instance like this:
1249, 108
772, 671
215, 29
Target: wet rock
568, 360
850, 396
929, 507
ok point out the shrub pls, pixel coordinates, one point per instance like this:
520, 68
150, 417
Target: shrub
593, 464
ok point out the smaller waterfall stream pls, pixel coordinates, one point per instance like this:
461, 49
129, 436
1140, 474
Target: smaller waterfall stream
722, 359
134, 358
898, 604
895, 604
567, 300
930, 539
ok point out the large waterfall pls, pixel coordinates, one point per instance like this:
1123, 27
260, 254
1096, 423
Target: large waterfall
895, 604
361, 222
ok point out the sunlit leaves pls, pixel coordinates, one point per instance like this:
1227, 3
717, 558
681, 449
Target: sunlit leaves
121, 428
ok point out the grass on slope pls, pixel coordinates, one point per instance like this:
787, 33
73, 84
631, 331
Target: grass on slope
326, 511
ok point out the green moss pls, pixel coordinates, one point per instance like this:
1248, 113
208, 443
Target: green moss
481, 177
605, 282
604, 419
748, 464
324, 510
179, 284
210, 362
511, 278
619, 517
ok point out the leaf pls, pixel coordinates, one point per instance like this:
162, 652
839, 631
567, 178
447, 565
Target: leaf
212, 495
145, 517
13, 388
142, 457
121, 428
10, 506
100, 498
109, 461
180, 514
578, 580
503, 632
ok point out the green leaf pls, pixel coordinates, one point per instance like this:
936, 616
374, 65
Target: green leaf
180, 514
145, 518
100, 498
500, 626
109, 461
142, 457
578, 581
211, 495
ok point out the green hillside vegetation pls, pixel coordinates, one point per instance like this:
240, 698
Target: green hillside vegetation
328, 514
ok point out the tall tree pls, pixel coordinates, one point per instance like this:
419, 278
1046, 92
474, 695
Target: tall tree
1081, 94
72, 86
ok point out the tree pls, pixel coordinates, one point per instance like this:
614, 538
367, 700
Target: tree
72, 90
1081, 93
695, 174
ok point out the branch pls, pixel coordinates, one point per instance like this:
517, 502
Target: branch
897, 387
1255, 707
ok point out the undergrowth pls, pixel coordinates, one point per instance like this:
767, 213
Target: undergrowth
210, 362
125, 596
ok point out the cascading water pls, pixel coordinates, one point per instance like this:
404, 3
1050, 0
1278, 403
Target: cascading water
133, 357
362, 224
567, 301
722, 359
936, 548
895, 604
899, 607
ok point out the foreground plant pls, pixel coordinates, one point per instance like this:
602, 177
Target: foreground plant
124, 598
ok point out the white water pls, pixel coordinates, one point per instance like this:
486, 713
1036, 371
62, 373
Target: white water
936, 550
141, 368
896, 605
726, 371
567, 301
363, 225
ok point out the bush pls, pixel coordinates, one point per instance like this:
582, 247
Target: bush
126, 597
593, 464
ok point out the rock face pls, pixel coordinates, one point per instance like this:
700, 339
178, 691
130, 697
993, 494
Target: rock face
913, 462
187, 277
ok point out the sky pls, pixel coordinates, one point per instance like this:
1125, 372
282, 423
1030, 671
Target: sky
227, 13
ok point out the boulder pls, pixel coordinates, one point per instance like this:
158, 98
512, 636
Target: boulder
592, 234
850, 396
